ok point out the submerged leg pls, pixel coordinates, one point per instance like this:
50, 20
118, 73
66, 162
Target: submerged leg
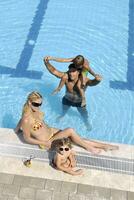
65, 106
84, 114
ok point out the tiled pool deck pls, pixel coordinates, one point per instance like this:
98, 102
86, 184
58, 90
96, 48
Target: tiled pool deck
15, 187
42, 182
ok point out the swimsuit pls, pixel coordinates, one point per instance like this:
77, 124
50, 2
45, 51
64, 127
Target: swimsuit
67, 102
37, 125
75, 98
51, 136
84, 72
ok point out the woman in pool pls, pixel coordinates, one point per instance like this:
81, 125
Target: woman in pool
36, 131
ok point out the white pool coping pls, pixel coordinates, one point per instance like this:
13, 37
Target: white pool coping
12, 165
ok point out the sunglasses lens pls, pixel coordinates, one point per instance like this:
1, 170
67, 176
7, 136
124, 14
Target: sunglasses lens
66, 149
62, 149
36, 104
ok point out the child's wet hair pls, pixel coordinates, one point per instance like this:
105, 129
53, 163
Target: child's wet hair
63, 142
78, 60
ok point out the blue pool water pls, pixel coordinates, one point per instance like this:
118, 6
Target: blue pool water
101, 30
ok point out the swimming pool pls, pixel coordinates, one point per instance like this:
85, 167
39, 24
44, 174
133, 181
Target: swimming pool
102, 31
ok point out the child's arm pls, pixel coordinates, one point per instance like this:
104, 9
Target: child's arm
72, 159
60, 59
68, 170
61, 84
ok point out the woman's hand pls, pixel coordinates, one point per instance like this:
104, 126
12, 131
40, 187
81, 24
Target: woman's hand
16, 130
47, 144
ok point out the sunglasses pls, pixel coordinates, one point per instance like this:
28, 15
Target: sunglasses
62, 149
36, 104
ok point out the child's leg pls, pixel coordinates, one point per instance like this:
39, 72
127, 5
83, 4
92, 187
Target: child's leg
83, 80
67, 164
82, 92
72, 160
83, 103
84, 74
84, 114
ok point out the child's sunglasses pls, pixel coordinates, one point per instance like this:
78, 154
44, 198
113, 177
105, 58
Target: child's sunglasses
36, 104
62, 149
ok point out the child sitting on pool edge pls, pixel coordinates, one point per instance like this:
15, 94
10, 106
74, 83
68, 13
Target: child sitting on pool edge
64, 158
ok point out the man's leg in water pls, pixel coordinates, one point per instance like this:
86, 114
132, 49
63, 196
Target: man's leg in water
65, 108
84, 114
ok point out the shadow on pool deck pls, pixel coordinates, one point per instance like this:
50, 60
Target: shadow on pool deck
130, 70
26, 54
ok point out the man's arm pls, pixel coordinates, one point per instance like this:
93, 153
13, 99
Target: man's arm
61, 84
52, 69
93, 82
